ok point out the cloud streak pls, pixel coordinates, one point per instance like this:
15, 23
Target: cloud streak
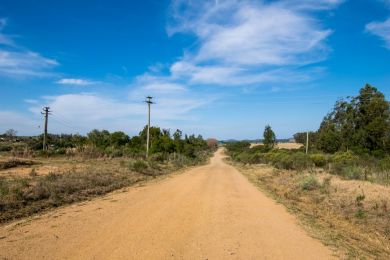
73, 81
18, 62
380, 29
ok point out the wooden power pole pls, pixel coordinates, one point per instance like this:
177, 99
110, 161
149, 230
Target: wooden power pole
307, 142
46, 111
149, 102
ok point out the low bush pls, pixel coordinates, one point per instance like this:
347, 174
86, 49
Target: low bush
347, 158
348, 171
5, 147
301, 161
140, 166
309, 182
318, 159
14, 163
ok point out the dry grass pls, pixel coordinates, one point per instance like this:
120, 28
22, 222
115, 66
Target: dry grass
289, 146
59, 165
352, 216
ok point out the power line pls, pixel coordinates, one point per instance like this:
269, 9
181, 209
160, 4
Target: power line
62, 118
55, 118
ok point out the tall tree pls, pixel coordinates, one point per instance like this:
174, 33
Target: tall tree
373, 121
269, 137
361, 124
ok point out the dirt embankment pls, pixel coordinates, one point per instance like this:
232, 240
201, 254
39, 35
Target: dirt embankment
209, 212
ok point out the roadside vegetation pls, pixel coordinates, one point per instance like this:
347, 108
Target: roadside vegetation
82, 167
340, 189
352, 142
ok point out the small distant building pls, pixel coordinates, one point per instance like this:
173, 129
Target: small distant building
212, 142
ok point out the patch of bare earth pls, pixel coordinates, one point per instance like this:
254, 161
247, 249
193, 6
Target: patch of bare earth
352, 216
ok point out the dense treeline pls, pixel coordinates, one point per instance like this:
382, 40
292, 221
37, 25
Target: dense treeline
103, 143
360, 124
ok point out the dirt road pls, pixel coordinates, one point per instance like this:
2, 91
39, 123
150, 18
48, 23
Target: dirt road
209, 212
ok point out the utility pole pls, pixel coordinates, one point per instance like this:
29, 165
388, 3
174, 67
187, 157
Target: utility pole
149, 102
307, 142
46, 111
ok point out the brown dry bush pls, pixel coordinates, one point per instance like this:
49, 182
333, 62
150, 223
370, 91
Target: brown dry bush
15, 163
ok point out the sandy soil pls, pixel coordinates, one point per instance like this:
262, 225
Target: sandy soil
208, 212
60, 165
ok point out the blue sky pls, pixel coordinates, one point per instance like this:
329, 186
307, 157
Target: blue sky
218, 68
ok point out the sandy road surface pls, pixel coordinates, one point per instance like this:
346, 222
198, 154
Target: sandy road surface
209, 212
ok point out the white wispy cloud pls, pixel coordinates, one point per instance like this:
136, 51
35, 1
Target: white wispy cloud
249, 42
311, 4
16, 61
380, 29
73, 81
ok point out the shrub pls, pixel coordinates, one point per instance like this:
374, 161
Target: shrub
259, 148
318, 159
5, 147
301, 161
384, 164
157, 157
140, 166
283, 161
309, 182
14, 163
60, 151
347, 157
326, 183
247, 157
347, 171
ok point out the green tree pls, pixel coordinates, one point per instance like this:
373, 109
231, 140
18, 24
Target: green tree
119, 138
361, 124
98, 138
300, 138
373, 121
269, 137
329, 140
